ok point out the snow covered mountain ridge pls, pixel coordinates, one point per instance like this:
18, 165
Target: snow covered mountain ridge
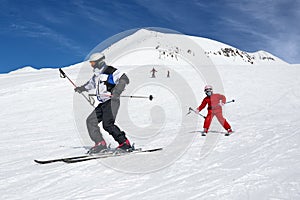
247, 57
220, 54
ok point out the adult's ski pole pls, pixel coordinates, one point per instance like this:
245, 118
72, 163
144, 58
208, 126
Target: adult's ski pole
150, 97
64, 75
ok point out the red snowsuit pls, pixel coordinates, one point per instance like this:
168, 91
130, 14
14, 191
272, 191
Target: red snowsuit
214, 109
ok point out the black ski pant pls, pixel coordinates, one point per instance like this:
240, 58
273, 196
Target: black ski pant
106, 113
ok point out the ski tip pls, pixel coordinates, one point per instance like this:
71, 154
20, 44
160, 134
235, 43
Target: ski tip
150, 150
157, 149
40, 162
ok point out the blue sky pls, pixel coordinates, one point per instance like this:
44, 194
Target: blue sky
50, 33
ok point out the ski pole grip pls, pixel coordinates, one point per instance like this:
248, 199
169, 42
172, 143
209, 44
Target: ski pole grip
62, 73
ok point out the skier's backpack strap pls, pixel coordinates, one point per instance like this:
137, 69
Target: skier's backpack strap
109, 70
110, 84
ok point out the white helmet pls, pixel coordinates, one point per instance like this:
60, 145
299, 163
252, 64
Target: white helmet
208, 87
96, 57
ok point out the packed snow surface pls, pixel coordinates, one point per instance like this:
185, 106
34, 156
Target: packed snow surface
260, 160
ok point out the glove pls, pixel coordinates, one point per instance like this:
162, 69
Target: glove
106, 94
80, 89
119, 88
115, 95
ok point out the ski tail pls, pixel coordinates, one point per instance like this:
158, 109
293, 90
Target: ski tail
59, 159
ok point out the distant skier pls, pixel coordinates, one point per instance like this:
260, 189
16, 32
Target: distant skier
215, 103
109, 83
153, 71
168, 74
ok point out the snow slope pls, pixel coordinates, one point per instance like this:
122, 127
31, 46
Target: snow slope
40, 118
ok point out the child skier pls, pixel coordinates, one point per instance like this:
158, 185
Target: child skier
109, 84
215, 103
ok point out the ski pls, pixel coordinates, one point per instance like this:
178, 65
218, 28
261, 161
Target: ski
59, 159
68, 158
220, 132
116, 154
110, 153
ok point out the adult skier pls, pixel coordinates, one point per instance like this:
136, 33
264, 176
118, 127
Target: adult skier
109, 83
215, 103
153, 71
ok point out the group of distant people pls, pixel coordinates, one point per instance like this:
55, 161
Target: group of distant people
153, 71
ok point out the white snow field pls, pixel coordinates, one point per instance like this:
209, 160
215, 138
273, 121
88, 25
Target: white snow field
42, 118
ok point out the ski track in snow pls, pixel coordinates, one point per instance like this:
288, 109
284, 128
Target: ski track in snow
260, 160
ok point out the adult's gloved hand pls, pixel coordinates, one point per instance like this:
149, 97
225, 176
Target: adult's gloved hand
119, 88
115, 95
80, 89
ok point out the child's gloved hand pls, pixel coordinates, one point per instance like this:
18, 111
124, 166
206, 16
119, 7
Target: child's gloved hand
221, 103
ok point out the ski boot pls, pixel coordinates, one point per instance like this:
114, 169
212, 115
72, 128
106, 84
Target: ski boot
125, 146
204, 132
229, 131
99, 147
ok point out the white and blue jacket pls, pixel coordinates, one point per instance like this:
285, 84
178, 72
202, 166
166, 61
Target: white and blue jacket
107, 81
